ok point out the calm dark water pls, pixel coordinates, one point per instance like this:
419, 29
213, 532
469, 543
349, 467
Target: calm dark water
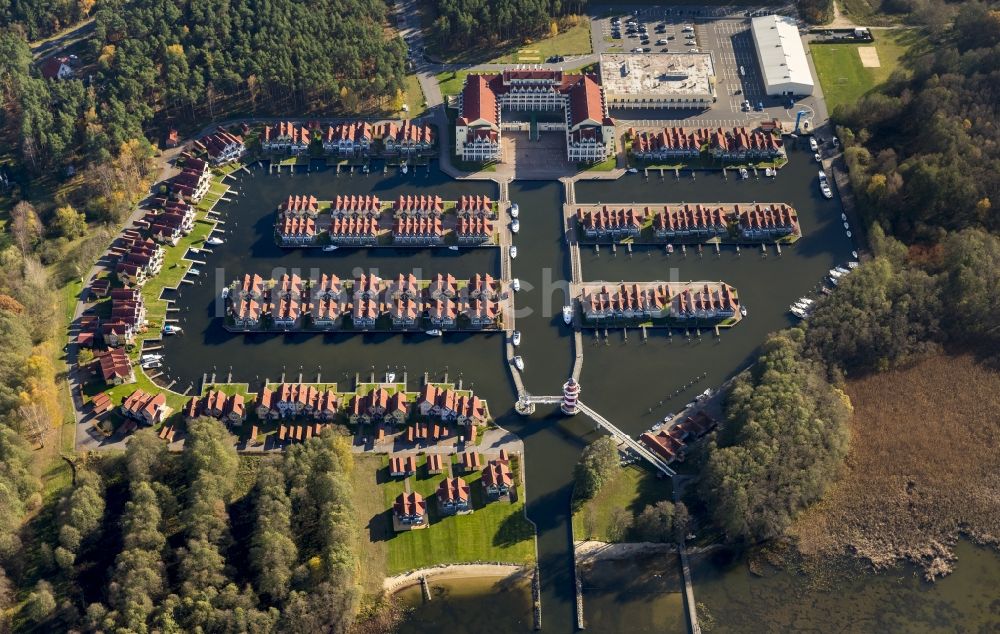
632, 382
460, 605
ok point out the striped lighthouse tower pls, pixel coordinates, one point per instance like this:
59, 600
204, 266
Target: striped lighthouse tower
571, 395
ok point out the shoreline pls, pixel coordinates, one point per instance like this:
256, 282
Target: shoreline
392, 585
591, 551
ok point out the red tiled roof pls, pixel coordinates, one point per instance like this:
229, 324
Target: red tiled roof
478, 100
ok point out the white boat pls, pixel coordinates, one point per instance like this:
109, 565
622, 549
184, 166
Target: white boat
769, 171
453, 248
819, 159
390, 377
514, 210
225, 292
806, 300
835, 273
214, 241
568, 314
847, 226
149, 365
843, 217
743, 311
822, 176
364, 169
670, 248
633, 170
513, 251
853, 265
657, 426
150, 357
842, 270
170, 329
515, 226
516, 338
744, 174
799, 306
433, 332
515, 284
405, 168
848, 234
825, 189
330, 247
812, 144
194, 271
519, 363
801, 314
834, 280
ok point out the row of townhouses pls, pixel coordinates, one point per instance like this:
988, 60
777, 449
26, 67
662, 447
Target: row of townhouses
230, 408
169, 221
751, 222
359, 221
127, 318
192, 183
658, 301
327, 302
739, 143
590, 131
139, 258
221, 147
351, 139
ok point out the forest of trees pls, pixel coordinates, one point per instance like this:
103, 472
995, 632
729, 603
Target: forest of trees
785, 436
41, 18
474, 23
924, 149
166, 559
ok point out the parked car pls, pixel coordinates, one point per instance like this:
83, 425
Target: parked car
661, 41
647, 50
760, 106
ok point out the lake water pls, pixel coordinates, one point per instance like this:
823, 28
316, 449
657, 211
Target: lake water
631, 382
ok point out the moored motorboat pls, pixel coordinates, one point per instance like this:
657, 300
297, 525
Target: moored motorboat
514, 210
744, 174
513, 251
214, 241
453, 248
515, 284
433, 332
516, 338
519, 363
170, 329
743, 311
515, 226
330, 247
567, 314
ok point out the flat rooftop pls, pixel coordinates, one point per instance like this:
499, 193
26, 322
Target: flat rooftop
658, 75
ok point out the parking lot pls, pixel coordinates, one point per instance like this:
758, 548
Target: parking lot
722, 31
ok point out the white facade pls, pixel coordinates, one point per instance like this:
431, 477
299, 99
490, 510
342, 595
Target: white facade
781, 56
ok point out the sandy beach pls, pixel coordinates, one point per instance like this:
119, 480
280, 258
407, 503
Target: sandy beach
590, 551
452, 571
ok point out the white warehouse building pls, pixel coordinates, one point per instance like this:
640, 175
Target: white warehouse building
781, 56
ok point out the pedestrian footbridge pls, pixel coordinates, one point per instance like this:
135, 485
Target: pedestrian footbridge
618, 434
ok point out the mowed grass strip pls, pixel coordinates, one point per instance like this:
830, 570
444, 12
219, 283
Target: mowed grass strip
844, 79
495, 532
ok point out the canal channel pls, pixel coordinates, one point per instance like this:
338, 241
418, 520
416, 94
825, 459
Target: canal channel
630, 381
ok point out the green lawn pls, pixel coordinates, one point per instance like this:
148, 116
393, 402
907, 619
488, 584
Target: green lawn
844, 79
606, 165
414, 98
635, 487
451, 82
495, 531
